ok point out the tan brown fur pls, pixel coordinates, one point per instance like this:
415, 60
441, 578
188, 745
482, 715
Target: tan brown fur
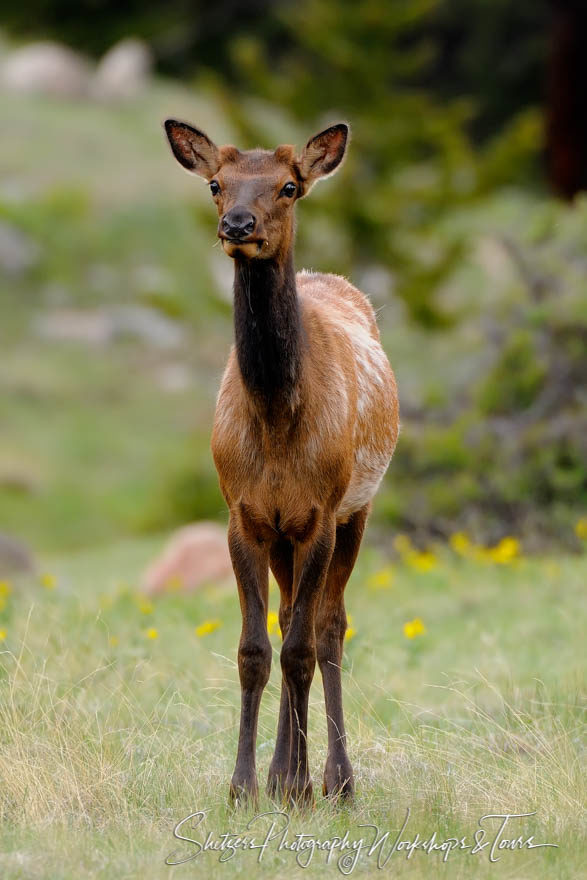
306, 423
297, 464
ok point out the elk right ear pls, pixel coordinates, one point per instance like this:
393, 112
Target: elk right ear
192, 148
323, 154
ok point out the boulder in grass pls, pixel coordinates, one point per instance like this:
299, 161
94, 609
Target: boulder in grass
45, 68
18, 252
15, 556
195, 555
102, 326
123, 72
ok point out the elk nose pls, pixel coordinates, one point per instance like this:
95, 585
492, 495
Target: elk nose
238, 223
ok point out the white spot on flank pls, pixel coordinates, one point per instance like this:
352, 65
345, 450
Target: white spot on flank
336, 405
369, 470
370, 360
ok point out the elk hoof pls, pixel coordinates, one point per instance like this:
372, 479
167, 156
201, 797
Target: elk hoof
243, 790
338, 779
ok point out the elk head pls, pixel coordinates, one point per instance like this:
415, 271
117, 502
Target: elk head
255, 190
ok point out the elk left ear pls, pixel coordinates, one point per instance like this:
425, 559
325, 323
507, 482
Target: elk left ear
192, 148
323, 154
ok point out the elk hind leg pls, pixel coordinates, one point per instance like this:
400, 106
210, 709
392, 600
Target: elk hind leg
281, 561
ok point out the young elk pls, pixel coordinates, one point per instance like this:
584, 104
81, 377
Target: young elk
306, 423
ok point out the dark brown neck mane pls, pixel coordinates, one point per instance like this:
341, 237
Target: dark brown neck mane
268, 331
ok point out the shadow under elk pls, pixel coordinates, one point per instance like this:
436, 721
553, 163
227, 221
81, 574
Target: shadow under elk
305, 426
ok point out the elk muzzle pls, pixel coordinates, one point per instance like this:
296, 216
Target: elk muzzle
237, 230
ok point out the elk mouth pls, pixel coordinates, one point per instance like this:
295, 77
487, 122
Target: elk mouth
238, 247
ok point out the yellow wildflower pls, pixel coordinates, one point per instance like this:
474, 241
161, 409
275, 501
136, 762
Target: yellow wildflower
505, 552
152, 633
414, 628
113, 641
49, 581
273, 623
3, 634
460, 543
424, 561
208, 626
350, 633
145, 607
382, 579
581, 528
420, 560
5, 588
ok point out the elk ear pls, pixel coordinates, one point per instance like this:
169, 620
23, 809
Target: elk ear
323, 154
192, 148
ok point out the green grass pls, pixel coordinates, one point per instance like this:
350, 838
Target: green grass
108, 738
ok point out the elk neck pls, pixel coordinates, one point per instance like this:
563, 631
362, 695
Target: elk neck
268, 333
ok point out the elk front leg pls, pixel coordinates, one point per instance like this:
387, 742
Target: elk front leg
250, 561
298, 654
331, 625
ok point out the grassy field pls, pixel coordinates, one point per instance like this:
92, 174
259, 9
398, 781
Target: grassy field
117, 719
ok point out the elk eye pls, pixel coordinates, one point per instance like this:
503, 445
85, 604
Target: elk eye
214, 187
289, 190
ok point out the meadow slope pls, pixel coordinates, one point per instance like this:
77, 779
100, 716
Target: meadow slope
118, 717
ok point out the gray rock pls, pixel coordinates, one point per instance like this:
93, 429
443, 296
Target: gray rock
146, 324
18, 252
195, 555
14, 556
90, 327
102, 326
45, 68
123, 72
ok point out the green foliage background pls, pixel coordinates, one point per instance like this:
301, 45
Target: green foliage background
440, 214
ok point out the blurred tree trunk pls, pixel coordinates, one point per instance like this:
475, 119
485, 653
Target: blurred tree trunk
566, 117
